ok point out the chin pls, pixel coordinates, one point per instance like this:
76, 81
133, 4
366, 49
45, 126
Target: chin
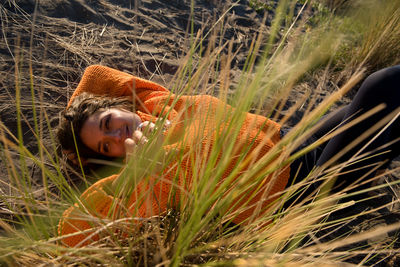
136, 120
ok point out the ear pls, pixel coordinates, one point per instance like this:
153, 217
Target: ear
73, 157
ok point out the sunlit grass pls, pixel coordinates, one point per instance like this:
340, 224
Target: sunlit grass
198, 230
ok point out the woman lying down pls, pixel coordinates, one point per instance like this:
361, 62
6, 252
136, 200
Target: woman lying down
100, 121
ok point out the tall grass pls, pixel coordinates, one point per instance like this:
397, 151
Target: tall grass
372, 35
198, 231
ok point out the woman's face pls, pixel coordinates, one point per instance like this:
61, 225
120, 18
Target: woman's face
106, 130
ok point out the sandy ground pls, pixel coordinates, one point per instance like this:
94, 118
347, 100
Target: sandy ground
148, 39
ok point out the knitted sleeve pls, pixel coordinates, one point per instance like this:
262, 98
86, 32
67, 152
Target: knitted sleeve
77, 226
101, 80
86, 222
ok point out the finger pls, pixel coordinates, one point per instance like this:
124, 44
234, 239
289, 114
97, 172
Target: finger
129, 145
167, 124
139, 138
151, 127
147, 127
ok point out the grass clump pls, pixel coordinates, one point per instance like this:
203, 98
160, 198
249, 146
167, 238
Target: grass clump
261, 6
199, 230
372, 38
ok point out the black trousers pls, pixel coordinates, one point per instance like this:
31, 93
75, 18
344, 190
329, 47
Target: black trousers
380, 87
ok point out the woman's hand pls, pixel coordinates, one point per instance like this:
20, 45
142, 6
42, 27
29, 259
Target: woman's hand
154, 149
131, 144
147, 127
138, 138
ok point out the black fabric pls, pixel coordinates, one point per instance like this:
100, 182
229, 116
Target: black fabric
380, 87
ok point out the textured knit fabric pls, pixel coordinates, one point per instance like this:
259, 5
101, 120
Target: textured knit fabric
195, 124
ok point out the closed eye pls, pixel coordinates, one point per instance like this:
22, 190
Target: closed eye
106, 147
107, 122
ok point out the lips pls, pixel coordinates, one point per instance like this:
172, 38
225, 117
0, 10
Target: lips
127, 132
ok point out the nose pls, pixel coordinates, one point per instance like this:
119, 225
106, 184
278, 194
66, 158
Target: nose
114, 135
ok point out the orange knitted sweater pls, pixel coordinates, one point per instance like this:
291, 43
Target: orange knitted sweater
196, 124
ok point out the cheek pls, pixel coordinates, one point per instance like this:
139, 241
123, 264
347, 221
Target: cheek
90, 137
118, 150
122, 150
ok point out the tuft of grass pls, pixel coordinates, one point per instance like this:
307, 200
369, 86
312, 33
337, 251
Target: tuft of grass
372, 35
261, 6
